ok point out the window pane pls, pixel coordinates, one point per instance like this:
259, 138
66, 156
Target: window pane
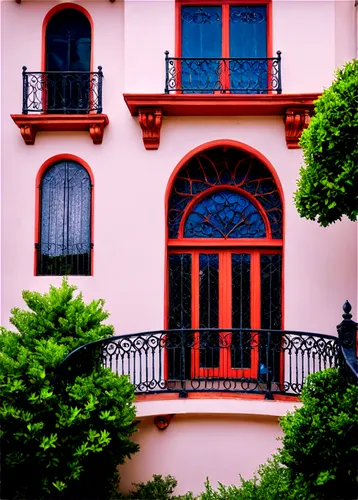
179, 291
209, 309
271, 315
241, 311
201, 38
65, 244
178, 347
224, 214
248, 39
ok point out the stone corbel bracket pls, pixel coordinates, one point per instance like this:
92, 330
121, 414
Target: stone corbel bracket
296, 120
30, 124
150, 121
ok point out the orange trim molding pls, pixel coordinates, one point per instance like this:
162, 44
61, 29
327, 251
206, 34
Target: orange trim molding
296, 120
29, 125
295, 108
150, 121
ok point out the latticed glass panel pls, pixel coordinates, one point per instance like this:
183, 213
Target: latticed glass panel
201, 38
271, 313
224, 214
209, 309
65, 226
248, 36
225, 167
241, 310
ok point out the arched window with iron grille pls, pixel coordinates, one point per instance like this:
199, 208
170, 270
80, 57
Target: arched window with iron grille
65, 213
225, 238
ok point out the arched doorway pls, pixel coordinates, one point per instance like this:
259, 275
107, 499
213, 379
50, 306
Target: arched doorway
225, 237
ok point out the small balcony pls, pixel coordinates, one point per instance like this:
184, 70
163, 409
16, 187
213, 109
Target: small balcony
223, 75
66, 92
61, 101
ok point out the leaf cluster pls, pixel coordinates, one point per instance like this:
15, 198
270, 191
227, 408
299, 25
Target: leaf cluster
328, 183
63, 443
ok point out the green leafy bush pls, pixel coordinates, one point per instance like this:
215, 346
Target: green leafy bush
320, 443
328, 184
159, 488
64, 442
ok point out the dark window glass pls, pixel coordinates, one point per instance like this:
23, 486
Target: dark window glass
65, 237
241, 310
179, 291
209, 309
68, 48
224, 214
178, 343
271, 314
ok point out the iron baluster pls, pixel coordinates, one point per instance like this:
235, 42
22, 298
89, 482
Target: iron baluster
166, 90
183, 393
279, 82
268, 394
24, 91
347, 334
100, 78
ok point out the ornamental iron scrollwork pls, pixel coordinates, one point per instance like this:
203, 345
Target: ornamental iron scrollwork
201, 16
268, 362
248, 14
225, 168
65, 92
208, 75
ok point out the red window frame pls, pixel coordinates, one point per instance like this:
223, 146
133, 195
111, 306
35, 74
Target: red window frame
225, 52
225, 49
254, 246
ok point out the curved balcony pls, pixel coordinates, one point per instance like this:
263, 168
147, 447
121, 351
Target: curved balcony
267, 362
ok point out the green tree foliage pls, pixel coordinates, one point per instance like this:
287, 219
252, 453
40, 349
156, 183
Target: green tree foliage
61, 441
328, 184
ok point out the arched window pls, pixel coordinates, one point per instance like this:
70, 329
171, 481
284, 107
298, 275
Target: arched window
224, 260
68, 61
65, 203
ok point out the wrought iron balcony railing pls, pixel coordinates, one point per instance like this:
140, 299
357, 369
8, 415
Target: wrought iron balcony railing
261, 361
223, 75
65, 92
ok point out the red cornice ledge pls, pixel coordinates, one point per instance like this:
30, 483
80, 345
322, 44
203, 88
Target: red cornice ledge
296, 109
29, 125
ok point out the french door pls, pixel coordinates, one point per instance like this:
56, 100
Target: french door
230, 288
213, 32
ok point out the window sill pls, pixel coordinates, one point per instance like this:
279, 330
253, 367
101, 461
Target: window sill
30, 124
296, 110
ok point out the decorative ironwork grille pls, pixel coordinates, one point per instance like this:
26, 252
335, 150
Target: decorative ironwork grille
224, 214
65, 221
233, 75
67, 92
143, 357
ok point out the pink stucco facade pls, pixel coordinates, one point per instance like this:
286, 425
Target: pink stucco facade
210, 438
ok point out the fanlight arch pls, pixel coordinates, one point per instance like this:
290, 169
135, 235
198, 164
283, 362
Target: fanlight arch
228, 182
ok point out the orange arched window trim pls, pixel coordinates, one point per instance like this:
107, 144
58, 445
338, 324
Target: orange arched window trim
52, 12
47, 164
